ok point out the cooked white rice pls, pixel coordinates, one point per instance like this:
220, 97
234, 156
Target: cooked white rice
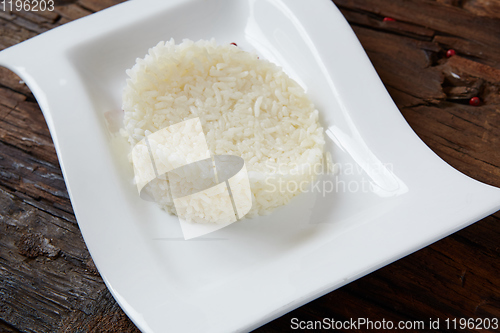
248, 107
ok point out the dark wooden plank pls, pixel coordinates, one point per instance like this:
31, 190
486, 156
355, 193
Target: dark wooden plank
107, 317
482, 7
10, 81
96, 5
48, 252
444, 20
49, 281
377, 23
6, 328
463, 136
11, 33
72, 11
39, 17
409, 58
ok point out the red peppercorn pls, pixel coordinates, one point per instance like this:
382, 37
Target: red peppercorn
390, 19
234, 44
450, 53
474, 101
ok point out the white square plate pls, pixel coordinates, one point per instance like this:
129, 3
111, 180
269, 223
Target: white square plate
393, 195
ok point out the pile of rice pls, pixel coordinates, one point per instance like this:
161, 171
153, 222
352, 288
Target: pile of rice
248, 107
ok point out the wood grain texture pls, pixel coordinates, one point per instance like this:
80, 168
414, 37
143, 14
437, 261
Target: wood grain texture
50, 284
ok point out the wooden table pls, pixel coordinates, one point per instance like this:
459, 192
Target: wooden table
50, 284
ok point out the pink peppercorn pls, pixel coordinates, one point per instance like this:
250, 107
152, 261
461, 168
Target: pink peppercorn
474, 101
450, 53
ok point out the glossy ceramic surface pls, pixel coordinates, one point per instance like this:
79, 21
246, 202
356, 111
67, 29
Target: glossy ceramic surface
392, 195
